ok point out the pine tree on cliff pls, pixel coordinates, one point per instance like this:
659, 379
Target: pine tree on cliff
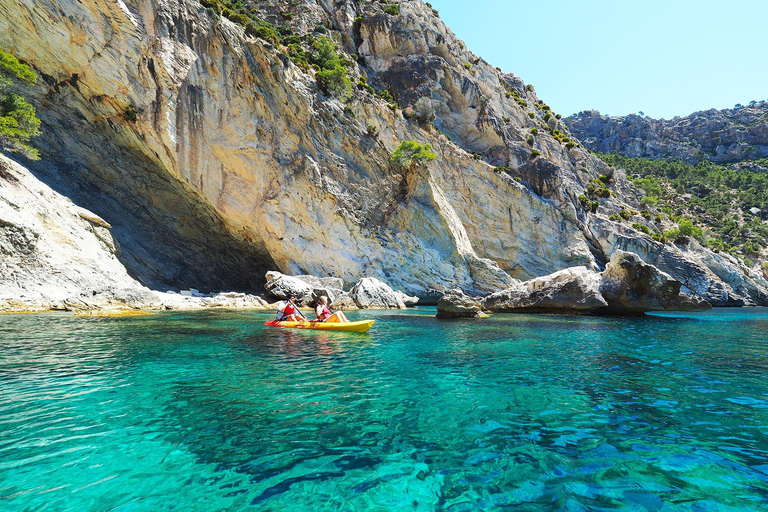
18, 121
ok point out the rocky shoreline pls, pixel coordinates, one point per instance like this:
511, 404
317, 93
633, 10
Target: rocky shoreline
60, 257
180, 151
628, 286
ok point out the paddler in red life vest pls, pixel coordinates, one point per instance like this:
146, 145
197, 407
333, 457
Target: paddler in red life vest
290, 313
324, 313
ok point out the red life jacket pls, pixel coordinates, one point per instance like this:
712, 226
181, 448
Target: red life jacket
325, 313
290, 309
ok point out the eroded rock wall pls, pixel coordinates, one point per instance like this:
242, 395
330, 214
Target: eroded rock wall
215, 158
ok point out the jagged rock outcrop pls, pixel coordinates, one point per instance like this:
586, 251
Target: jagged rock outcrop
456, 304
572, 290
245, 138
631, 286
215, 158
627, 286
729, 135
720, 279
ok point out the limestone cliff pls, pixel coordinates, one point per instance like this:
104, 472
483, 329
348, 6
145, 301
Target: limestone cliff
57, 255
730, 135
216, 158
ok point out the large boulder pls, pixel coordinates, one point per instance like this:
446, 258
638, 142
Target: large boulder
307, 289
371, 293
408, 300
633, 287
337, 298
455, 304
573, 290
281, 286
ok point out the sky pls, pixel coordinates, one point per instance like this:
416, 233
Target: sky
664, 58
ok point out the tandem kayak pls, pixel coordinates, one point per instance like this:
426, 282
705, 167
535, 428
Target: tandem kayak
359, 326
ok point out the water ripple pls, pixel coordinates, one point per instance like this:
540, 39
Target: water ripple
213, 411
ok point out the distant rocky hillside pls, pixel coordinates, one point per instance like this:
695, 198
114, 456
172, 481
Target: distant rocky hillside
723, 136
224, 139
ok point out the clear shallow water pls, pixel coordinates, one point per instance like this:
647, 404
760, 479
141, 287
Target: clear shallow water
214, 411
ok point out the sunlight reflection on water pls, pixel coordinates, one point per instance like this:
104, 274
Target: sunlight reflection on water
214, 411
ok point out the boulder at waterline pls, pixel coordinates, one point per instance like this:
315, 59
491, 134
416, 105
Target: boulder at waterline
572, 290
371, 293
456, 304
632, 286
284, 287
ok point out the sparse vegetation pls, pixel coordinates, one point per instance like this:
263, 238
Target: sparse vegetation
393, 9
18, 119
363, 85
642, 228
332, 75
409, 152
710, 202
130, 114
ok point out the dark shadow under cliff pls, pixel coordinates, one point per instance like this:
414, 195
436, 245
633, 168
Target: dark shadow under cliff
167, 235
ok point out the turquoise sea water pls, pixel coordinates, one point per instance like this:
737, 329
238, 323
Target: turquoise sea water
213, 411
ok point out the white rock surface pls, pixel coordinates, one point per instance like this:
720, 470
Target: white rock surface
54, 253
371, 293
57, 255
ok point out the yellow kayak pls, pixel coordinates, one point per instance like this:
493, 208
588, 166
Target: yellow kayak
359, 326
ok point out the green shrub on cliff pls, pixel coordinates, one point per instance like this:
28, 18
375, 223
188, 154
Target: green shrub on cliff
18, 120
409, 152
325, 54
335, 82
332, 75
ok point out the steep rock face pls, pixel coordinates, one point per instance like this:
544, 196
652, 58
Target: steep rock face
728, 135
194, 140
100, 65
215, 158
55, 254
